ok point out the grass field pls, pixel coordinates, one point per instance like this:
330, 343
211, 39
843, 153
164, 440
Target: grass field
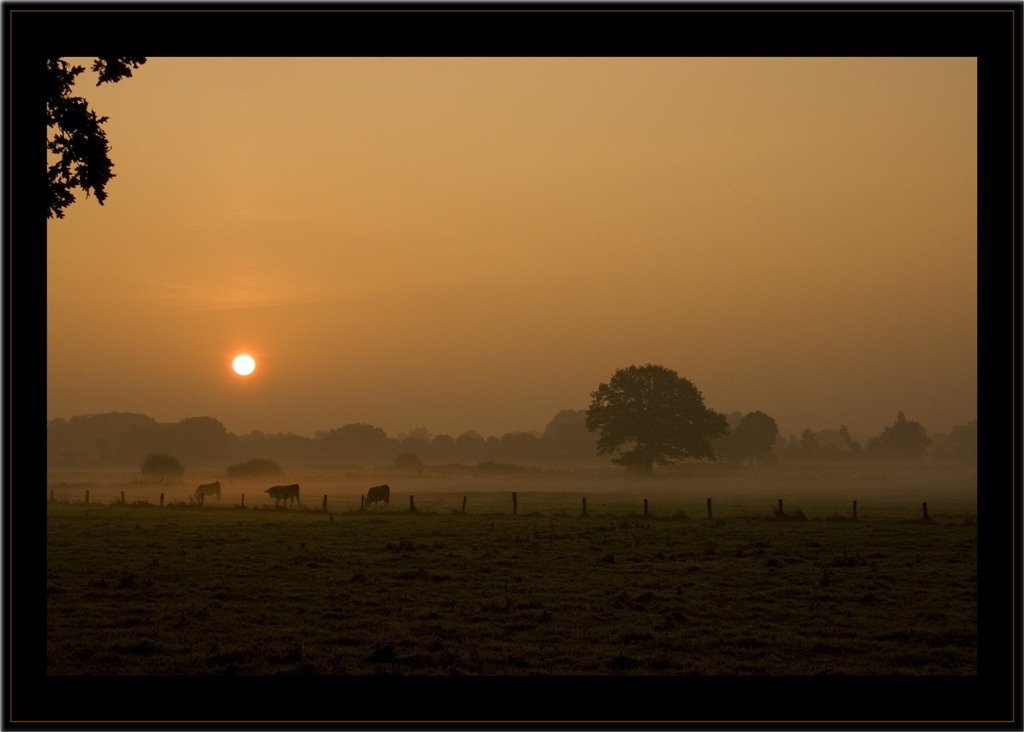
134, 588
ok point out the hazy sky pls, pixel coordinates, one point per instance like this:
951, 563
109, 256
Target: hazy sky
478, 243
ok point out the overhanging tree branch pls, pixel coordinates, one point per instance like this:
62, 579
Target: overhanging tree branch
75, 135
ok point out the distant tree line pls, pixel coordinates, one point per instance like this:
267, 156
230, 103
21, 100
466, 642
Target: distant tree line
644, 415
122, 440
903, 440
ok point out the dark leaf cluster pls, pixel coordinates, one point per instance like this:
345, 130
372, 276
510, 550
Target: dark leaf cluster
76, 140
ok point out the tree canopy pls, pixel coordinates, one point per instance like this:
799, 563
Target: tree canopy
649, 414
78, 143
809, 442
752, 439
905, 439
963, 441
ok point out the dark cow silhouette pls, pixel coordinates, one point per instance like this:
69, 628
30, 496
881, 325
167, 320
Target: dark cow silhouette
208, 489
285, 493
378, 493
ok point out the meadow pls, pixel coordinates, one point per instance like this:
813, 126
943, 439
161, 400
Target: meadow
135, 588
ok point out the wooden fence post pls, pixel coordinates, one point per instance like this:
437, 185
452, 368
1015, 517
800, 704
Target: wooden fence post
122, 496
709, 508
87, 495
325, 504
584, 506
515, 507
464, 503
780, 509
855, 509
412, 505
924, 507
161, 500
645, 508
362, 502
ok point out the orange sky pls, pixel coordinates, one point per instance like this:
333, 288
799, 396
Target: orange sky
478, 243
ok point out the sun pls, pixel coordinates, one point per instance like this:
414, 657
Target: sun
243, 365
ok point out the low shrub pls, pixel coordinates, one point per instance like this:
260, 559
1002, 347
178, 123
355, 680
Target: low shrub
160, 463
254, 467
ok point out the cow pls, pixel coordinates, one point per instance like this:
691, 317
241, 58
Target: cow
208, 489
285, 493
378, 493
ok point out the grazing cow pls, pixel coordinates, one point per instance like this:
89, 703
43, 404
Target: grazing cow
208, 489
378, 493
284, 493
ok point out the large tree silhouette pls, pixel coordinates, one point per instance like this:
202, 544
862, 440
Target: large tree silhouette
75, 134
648, 414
